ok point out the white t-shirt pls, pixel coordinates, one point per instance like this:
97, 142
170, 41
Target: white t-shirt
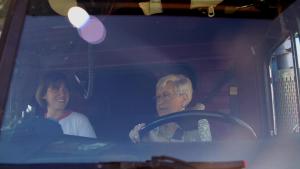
77, 124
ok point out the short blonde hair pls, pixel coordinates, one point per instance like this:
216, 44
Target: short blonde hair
182, 84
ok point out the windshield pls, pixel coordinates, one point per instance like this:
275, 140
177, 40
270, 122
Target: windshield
98, 81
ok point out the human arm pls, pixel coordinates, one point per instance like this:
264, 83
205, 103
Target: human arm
134, 134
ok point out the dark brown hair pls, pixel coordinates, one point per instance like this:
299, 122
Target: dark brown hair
51, 79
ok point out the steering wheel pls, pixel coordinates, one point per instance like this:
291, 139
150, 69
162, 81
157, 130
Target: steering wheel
222, 126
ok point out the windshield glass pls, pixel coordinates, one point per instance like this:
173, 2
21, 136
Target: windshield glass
124, 81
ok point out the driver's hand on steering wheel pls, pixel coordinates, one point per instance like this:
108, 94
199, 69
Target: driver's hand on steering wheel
134, 134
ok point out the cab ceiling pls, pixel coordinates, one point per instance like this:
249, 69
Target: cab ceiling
259, 9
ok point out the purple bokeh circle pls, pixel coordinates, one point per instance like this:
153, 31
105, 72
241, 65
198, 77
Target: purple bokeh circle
93, 31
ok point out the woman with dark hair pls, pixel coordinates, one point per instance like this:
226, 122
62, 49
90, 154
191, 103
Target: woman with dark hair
53, 94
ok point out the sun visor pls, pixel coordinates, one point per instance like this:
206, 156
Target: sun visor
204, 3
151, 7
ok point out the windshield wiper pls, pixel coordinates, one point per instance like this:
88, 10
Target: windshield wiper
160, 162
165, 162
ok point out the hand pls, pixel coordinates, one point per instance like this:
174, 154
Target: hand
134, 134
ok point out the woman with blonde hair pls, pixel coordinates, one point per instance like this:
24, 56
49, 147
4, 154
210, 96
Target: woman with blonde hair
173, 94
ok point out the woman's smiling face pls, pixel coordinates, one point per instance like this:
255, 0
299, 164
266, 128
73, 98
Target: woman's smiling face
57, 96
